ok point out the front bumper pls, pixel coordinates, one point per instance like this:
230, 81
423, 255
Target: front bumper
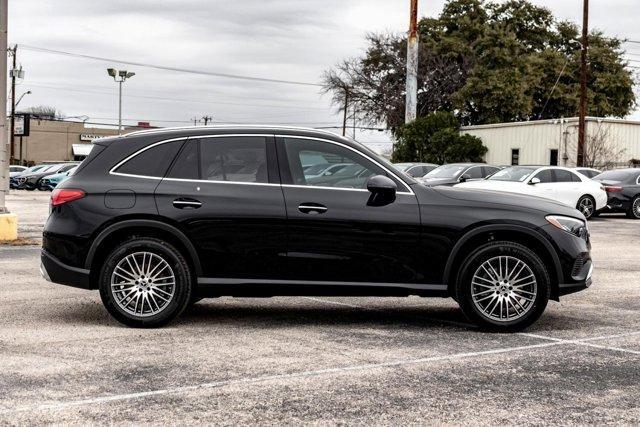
55, 271
583, 280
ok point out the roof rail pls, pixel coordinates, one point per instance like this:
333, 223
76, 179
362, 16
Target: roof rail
180, 128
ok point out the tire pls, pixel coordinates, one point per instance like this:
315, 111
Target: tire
164, 301
634, 209
476, 293
587, 206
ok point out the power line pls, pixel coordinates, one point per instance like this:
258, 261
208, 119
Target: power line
167, 68
71, 89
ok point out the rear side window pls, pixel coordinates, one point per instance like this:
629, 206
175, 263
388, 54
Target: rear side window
234, 158
186, 165
564, 176
153, 161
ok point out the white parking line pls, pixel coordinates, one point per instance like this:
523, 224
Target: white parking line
584, 342
294, 375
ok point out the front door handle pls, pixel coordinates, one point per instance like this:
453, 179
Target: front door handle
312, 208
185, 203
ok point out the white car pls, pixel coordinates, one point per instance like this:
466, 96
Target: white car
552, 182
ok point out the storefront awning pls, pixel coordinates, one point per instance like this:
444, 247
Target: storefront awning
81, 149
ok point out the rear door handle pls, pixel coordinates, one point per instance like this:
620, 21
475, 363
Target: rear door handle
312, 208
184, 203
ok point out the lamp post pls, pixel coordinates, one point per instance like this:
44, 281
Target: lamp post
22, 96
120, 77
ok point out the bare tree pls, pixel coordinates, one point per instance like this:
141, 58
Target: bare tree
602, 151
45, 112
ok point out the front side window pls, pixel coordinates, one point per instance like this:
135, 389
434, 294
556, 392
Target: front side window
234, 158
475, 172
152, 162
186, 165
346, 168
545, 176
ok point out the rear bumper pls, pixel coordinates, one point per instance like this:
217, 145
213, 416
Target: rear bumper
55, 271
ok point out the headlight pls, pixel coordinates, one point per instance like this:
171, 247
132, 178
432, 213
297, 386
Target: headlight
571, 225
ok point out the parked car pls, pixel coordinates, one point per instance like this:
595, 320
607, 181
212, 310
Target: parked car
16, 169
415, 170
455, 173
49, 182
153, 221
588, 172
14, 177
30, 181
623, 191
552, 182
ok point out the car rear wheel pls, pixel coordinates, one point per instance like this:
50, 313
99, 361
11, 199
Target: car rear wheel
503, 286
634, 209
587, 206
145, 282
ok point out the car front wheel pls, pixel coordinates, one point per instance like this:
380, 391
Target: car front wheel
503, 286
145, 282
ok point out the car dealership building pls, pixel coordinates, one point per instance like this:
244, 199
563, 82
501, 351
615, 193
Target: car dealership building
59, 140
554, 142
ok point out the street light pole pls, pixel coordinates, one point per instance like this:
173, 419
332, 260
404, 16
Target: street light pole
120, 77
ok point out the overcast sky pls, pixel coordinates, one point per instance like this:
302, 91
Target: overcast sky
276, 39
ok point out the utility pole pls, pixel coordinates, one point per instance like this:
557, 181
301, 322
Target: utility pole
583, 85
207, 119
8, 222
195, 121
13, 104
411, 87
345, 109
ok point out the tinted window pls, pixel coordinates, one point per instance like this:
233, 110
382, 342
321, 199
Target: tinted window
488, 170
563, 176
353, 174
153, 161
545, 176
234, 158
475, 172
416, 171
186, 164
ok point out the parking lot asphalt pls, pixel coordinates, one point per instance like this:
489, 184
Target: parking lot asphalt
319, 360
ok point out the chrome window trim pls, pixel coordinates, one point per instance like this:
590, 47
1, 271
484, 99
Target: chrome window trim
355, 151
112, 171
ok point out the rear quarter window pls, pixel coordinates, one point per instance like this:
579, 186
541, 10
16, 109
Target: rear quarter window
152, 161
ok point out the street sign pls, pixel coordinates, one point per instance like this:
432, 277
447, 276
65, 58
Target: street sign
21, 126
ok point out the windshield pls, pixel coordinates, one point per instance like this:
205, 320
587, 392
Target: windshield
446, 171
402, 166
514, 174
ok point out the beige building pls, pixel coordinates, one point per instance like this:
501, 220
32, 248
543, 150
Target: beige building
58, 141
611, 142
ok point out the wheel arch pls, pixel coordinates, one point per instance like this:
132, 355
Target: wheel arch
514, 233
119, 231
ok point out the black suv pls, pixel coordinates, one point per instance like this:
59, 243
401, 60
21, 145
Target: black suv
159, 219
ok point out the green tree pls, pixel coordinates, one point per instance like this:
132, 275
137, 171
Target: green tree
489, 62
436, 139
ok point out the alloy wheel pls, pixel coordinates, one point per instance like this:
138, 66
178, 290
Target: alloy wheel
143, 284
504, 288
586, 206
636, 207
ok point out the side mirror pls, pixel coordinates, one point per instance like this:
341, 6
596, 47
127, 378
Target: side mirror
383, 190
465, 177
534, 181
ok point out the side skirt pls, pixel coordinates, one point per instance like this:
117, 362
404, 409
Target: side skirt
215, 287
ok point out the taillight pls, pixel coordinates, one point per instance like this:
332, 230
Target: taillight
61, 196
612, 189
